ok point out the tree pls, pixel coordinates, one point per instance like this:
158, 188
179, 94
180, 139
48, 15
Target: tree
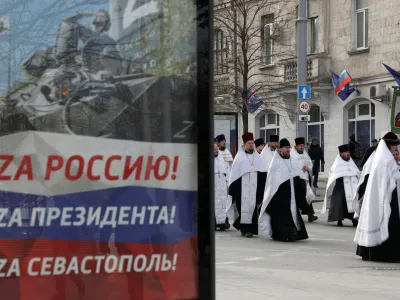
248, 41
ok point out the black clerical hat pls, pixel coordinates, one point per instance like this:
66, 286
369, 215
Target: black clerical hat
259, 142
300, 141
391, 139
274, 138
220, 138
344, 148
284, 143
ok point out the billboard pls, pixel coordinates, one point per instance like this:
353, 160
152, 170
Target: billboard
99, 163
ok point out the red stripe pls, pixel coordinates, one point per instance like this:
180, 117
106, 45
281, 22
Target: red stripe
342, 84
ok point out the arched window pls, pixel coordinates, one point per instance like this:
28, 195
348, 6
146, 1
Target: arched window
220, 52
315, 127
361, 123
269, 125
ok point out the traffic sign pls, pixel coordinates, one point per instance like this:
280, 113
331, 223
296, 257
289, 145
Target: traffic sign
304, 106
304, 92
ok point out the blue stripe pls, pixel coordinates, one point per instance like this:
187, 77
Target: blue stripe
183, 227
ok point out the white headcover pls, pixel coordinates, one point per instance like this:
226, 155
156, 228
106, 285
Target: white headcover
266, 156
372, 229
241, 165
220, 166
365, 171
340, 168
280, 171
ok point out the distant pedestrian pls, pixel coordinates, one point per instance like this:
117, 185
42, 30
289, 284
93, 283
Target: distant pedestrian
368, 152
317, 155
355, 150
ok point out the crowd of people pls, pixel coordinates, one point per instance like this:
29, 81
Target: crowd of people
267, 187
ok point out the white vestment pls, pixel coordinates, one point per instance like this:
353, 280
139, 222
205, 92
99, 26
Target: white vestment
365, 171
372, 229
350, 173
221, 200
280, 171
266, 156
304, 160
227, 156
245, 166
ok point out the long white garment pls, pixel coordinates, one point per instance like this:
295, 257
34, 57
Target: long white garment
365, 171
227, 156
372, 229
245, 166
222, 199
266, 156
280, 171
304, 160
350, 173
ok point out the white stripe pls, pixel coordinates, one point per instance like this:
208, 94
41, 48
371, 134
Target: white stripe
227, 263
39, 145
254, 258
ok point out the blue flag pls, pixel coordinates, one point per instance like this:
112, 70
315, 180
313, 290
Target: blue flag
395, 74
253, 103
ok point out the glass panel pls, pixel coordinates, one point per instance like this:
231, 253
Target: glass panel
309, 36
363, 109
267, 45
314, 113
262, 121
363, 136
315, 35
351, 129
262, 134
366, 28
277, 119
361, 4
322, 118
314, 131
372, 129
271, 119
352, 113
372, 110
360, 29
269, 132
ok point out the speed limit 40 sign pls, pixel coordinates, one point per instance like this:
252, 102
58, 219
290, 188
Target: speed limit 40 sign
304, 106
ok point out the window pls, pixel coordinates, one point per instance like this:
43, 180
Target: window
269, 125
312, 26
361, 24
266, 39
361, 123
315, 128
220, 52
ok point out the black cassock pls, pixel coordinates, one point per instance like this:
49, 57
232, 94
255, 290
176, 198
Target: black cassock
388, 251
235, 190
308, 209
338, 208
361, 190
282, 224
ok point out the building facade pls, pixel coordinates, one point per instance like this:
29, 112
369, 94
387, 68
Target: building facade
356, 35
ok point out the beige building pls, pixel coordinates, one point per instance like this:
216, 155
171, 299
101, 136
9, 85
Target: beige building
356, 35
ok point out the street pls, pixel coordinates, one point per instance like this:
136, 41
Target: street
323, 267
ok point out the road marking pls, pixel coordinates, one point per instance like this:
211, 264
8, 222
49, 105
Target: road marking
227, 263
283, 253
254, 258
331, 240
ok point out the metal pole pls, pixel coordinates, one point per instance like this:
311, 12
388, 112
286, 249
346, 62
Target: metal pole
301, 128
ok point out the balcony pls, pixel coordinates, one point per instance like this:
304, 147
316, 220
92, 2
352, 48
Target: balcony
317, 68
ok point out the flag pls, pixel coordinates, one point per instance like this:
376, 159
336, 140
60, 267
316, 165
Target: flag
395, 74
341, 84
252, 102
4, 25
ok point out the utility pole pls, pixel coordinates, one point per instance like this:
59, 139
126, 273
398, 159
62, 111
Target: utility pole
301, 128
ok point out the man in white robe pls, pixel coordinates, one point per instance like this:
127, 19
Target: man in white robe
222, 199
221, 142
280, 211
362, 184
378, 230
268, 152
246, 186
304, 161
341, 188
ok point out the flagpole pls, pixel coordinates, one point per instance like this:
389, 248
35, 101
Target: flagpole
9, 59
